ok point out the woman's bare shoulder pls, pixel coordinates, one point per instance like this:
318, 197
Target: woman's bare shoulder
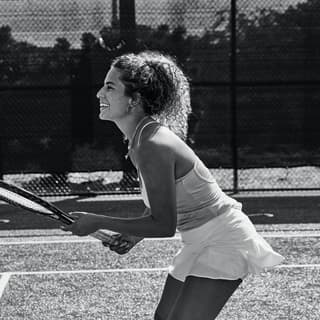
162, 143
163, 150
155, 144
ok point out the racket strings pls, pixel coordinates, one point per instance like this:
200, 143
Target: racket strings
23, 201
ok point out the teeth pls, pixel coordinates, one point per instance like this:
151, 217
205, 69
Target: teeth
104, 105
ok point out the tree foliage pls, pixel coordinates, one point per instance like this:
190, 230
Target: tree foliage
262, 34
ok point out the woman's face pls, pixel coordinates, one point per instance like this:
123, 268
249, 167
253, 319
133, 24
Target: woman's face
113, 101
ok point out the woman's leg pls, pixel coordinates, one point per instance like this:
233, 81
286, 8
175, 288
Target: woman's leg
202, 298
169, 296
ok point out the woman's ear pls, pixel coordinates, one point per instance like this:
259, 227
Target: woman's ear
135, 101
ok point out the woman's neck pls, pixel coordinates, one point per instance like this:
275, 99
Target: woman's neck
130, 127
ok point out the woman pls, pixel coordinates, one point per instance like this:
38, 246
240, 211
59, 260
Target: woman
147, 96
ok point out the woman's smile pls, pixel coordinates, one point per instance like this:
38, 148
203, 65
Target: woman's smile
104, 106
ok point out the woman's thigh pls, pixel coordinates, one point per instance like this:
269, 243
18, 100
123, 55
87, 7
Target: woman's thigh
169, 296
202, 298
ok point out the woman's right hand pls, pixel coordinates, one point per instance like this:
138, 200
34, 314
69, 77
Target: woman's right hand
122, 243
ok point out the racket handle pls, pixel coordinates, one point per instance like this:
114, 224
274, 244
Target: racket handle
103, 236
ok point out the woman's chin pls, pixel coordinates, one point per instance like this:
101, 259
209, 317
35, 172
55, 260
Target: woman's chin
103, 115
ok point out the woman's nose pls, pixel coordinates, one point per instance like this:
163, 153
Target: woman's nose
98, 95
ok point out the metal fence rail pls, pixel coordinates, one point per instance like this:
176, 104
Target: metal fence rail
254, 69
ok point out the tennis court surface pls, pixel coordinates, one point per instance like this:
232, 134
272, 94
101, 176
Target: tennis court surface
48, 274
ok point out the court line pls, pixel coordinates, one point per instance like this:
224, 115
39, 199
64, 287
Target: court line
86, 271
177, 237
292, 266
5, 277
74, 241
291, 235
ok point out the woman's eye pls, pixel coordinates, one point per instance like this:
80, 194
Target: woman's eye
108, 88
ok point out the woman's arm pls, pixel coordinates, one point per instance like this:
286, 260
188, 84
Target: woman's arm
87, 223
156, 165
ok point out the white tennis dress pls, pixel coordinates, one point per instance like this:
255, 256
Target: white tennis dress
219, 240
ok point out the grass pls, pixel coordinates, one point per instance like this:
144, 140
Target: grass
151, 254
280, 293
95, 296
287, 294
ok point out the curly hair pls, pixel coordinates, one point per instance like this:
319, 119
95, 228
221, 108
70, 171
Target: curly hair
163, 87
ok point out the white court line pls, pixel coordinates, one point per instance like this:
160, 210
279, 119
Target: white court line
291, 266
6, 243
127, 270
177, 237
75, 241
4, 281
291, 235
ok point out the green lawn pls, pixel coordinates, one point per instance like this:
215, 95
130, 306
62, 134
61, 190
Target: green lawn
281, 293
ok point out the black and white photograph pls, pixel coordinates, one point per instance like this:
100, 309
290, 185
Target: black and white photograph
159, 159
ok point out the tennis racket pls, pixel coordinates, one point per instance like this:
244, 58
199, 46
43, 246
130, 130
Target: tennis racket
24, 199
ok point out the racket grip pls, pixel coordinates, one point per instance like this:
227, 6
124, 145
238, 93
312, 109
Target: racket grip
103, 236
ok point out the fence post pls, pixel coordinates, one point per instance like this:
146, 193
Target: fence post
1, 141
1, 158
233, 92
128, 23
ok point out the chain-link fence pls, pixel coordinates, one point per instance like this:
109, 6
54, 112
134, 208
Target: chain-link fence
254, 69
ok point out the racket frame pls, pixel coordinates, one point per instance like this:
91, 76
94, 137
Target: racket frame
57, 214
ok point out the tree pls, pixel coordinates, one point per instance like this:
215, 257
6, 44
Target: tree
6, 39
88, 41
14, 57
285, 46
62, 45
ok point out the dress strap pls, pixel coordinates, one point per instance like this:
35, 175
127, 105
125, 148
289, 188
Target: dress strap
144, 126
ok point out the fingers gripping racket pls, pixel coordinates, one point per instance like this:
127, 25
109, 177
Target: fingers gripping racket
24, 199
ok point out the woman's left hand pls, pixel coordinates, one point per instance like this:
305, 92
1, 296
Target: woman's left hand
84, 223
122, 243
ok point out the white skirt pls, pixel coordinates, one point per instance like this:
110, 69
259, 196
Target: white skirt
226, 247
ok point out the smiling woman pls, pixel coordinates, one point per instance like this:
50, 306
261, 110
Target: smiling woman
113, 101
147, 96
